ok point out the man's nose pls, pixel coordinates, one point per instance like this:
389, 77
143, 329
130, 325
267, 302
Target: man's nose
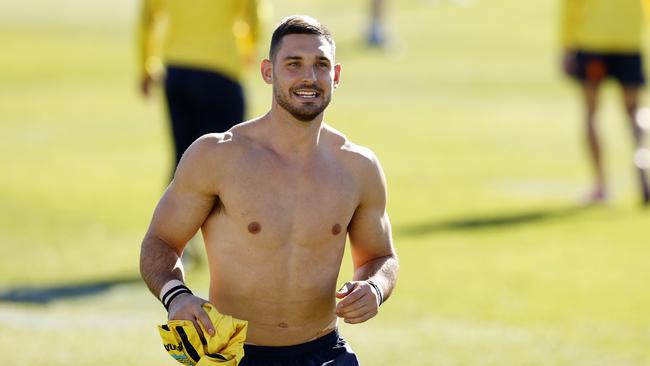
309, 74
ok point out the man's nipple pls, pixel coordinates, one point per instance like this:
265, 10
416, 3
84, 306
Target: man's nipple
336, 229
254, 227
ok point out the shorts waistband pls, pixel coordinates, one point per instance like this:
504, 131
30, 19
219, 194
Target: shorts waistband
327, 341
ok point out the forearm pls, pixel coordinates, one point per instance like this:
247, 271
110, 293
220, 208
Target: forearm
159, 264
149, 40
383, 271
143, 36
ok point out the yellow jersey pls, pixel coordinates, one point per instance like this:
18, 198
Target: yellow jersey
603, 25
218, 35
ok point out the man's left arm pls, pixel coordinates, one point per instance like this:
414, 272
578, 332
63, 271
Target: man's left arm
373, 255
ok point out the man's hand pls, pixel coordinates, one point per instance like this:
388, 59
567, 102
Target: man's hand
359, 303
189, 307
146, 83
569, 62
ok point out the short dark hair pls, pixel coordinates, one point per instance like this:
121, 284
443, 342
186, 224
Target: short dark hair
298, 24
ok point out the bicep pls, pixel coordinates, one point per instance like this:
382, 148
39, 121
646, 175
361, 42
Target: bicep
370, 229
188, 200
178, 217
370, 236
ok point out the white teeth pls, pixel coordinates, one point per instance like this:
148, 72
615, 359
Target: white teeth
307, 94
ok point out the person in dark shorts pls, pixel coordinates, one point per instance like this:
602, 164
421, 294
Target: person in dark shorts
201, 52
603, 40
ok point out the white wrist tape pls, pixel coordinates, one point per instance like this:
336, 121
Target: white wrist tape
170, 290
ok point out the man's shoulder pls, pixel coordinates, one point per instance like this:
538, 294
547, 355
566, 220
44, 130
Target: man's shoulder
225, 142
212, 152
212, 155
214, 140
351, 152
360, 161
208, 145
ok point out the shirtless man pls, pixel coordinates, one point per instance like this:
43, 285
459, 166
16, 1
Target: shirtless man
275, 198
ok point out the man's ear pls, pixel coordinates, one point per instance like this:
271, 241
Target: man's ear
266, 68
337, 75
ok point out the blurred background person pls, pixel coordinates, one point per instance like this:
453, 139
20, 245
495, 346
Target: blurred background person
601, 39
376, 36
199, 50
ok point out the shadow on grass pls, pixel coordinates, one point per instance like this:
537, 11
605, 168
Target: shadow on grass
47, 294
487, 222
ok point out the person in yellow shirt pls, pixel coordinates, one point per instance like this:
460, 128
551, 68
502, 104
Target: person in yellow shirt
200, 49
601, 39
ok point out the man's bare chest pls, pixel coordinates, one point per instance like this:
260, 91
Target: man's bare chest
283, 204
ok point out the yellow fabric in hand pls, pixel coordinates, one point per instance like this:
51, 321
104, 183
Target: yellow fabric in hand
225, 348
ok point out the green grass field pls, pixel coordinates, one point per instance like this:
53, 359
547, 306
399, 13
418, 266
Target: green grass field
480, 139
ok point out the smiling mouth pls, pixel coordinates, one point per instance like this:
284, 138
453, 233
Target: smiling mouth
306, 93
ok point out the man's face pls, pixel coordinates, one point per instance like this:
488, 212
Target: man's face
303, 75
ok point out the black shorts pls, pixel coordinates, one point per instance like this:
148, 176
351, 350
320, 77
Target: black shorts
627, 68
329, 350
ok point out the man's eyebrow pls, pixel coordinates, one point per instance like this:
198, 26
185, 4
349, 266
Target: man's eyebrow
299, 58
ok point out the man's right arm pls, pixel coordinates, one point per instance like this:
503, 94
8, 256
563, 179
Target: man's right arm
149, 45
180, 213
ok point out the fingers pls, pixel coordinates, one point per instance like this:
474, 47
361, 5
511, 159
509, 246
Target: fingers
199, 331
349, 294
358, 310
361, 318
204, 319
569, 63
345, 290
189, 307
145, 86
357, 305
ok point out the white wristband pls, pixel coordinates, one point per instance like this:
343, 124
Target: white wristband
168, 286
172, 290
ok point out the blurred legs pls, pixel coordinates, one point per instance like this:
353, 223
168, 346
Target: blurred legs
590, 90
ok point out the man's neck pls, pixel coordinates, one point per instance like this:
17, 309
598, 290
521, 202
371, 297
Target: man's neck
290, 137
